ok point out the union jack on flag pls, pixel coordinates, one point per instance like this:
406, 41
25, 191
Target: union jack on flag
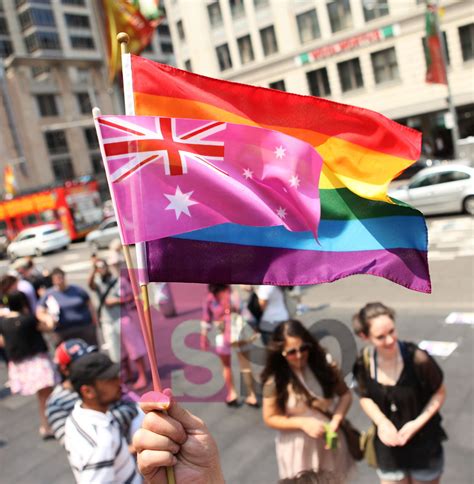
171, 176
160, 139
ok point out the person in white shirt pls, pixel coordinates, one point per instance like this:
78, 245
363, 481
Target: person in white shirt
96, 449
272, 302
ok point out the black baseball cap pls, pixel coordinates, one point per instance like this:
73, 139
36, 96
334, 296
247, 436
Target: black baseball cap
91, 367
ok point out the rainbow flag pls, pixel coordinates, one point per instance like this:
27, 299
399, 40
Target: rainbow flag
361, 230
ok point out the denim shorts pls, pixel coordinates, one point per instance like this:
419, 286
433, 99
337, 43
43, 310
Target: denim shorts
433, 471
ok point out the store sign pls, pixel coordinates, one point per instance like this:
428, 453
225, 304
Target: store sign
348, 44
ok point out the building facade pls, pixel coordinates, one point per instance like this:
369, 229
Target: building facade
55, 71
367, 53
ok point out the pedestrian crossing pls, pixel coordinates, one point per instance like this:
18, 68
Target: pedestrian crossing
450, 238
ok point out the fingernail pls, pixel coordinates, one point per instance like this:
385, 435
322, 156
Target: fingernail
160, 399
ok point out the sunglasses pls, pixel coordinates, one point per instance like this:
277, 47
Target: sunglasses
304, 348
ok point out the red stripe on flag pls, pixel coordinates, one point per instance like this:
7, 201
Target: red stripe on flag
135, 168
119, 127
200, 130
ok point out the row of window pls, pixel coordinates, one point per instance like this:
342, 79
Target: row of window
50, 41
48, 105
62, 166
269, 45
381, 65
339, 13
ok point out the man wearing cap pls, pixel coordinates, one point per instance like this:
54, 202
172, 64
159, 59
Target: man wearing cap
63, 398
97, 451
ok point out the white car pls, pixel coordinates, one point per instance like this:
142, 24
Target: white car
104, 234
441, 189
38, 240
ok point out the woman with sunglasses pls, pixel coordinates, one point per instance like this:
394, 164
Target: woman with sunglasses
304, 397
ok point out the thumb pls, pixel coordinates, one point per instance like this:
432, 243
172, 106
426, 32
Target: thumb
186, 418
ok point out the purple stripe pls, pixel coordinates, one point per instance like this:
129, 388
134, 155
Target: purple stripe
179, 260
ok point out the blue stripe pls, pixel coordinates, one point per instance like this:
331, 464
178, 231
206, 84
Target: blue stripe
397, 232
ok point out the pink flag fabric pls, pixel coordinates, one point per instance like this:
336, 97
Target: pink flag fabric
172, 176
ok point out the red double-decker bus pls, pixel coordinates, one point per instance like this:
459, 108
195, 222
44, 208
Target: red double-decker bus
75, 206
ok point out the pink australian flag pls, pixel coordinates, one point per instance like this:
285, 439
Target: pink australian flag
171, 176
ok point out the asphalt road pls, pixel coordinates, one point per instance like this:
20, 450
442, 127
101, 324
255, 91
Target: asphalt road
246, 445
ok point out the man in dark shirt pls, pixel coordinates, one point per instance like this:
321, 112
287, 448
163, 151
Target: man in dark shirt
67, 310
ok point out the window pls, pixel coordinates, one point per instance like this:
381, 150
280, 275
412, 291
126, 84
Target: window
425, 181
237, 8
374, 9
269, 41
166, 47
81, 42
77, 21
261, 3
42, 40
466, 34
91, 138
308, 26
84, 103
163, 29
180, 28
188, 66
446, 50
62, 169
37, 16
245, 49
350, 75
318, 82
3, 26
96, 162
453, 176
78, 3
56, 142
340, 15
215, 15
40, 72
47, 104
280, 85
6, 48
223, 57
385, 66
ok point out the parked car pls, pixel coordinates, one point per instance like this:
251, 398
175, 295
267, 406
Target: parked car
104, 234
440, 189
419, 165
38, 240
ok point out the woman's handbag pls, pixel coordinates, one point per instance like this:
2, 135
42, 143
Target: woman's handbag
353, 439
367, 445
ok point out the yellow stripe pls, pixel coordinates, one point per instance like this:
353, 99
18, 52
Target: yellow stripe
346, 165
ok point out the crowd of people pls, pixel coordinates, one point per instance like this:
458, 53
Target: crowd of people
51, 332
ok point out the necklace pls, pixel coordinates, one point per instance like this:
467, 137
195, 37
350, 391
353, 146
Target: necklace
393, 368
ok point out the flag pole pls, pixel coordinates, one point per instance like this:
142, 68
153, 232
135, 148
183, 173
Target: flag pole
131, 273
140, 247
449, 98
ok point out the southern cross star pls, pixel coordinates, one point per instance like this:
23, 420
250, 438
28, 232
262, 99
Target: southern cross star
280, 152
281, 212
248, 173
180, 202
295, 181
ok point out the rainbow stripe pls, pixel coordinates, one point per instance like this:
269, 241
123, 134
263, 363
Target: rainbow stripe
362, 230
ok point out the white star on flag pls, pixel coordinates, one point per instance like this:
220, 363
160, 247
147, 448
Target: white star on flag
280, 152
295, 181
180, 202
248, 173
281, 212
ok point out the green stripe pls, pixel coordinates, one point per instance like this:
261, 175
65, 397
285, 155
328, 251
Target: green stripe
342, 204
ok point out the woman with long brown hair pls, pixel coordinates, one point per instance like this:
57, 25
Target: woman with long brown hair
305, 396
